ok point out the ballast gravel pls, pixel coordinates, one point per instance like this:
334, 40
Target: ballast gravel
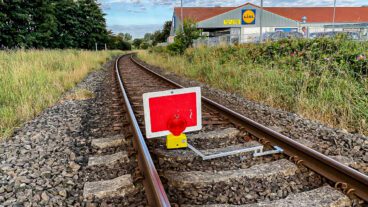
271, 181
40, 164
44, 162
327, 140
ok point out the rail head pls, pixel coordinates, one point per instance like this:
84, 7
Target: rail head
357, 183
155, 190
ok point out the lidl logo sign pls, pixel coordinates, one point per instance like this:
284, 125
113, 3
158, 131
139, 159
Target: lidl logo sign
231, 21
249, 16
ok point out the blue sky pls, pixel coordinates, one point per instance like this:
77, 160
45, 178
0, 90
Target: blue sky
138, 17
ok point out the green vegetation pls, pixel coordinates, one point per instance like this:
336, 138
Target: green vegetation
120, 41
32, 80
152, 39
55, 24
321, 79
184, 39
80, 94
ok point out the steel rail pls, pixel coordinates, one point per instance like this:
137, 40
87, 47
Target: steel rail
351, 180
154, 189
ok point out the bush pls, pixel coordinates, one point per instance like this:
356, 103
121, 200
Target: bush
158, 49
137, 43
323, 79
144, 45
184, 39
125, 45
176, 48
117, 42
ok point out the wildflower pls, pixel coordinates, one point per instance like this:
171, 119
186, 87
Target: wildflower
361, 57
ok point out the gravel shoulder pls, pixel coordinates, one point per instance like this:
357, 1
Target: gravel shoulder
44, 162
351, 149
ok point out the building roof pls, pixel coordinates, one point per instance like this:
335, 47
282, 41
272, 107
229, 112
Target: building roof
201, 13
313, 14
322, 14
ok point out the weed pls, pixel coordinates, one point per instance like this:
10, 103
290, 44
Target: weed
321, 79
32, 80
80, 94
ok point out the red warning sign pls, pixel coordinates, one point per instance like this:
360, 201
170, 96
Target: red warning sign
172, 111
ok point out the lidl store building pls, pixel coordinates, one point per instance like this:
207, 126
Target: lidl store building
245, 20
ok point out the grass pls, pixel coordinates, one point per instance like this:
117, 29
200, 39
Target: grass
316, 84
32, 80
80, 94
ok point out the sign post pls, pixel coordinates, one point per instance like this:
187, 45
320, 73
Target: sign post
172, 113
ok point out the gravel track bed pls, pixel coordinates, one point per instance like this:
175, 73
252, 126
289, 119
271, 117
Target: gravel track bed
216, 136
243, 161
186, 160
255, 190
110, 150
327, 140
45, 162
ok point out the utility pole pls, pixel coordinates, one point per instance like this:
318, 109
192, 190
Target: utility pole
333, 17
260, 23
182, 19
96, 45
304, 21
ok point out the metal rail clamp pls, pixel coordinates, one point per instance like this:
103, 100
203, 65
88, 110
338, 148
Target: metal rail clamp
257, 152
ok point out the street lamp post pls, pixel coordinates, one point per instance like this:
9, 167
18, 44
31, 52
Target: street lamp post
333, 17
260, 23
182, 20
304, 21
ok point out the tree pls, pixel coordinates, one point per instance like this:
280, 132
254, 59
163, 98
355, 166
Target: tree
165, 33
126, 36
43, 24
93, 24
68, 24
159, 35
137, 43
14, 24
51, 24
118, 42
144, 45
147, 37
184, 39
156, 37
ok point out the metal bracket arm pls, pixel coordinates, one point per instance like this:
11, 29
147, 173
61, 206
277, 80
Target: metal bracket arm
257, 151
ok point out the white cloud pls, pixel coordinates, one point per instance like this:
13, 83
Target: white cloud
120, 1
137, 7
137, 31
191, 3
289, 3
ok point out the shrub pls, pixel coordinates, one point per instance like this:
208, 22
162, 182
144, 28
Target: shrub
144, 45
184, 39
324, 79
158, 49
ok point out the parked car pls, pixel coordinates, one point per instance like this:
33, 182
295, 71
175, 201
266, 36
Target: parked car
294, 35
315, 35
278, 35
351, 35
354, 35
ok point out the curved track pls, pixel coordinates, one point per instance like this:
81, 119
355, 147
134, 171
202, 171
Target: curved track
240, 179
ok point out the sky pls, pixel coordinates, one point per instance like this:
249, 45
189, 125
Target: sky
138, 17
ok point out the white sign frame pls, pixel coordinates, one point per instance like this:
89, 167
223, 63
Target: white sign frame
147, 112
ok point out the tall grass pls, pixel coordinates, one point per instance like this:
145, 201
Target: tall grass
31, 80
300, 77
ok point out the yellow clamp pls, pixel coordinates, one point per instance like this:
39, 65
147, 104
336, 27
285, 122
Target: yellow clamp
176, 142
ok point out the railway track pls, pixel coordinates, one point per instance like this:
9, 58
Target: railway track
299, 176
